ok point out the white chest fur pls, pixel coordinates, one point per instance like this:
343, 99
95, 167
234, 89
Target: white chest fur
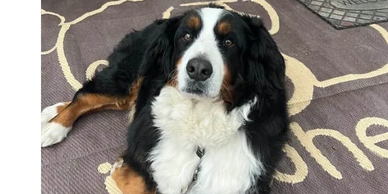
228, 165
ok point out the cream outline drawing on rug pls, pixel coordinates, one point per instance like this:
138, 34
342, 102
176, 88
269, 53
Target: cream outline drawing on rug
301, 97
59, 45
110, 184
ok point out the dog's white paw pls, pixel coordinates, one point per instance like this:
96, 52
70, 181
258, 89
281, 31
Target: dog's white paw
50, 112
53, 133
44, 117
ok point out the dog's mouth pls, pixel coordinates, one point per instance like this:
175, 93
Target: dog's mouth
196, 88
194, 91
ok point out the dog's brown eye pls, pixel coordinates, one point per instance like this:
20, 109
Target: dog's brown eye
228, 42
187, 37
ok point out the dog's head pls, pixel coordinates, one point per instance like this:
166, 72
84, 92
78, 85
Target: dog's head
214, 53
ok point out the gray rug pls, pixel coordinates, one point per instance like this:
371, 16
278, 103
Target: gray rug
337, 85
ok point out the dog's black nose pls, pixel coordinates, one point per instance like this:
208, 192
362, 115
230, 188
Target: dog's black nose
199, 69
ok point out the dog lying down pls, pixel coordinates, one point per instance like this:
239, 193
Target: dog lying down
206, 94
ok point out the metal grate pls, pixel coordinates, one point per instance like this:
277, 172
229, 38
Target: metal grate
351, 16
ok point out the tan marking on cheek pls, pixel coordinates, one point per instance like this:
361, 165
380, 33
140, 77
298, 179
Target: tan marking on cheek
224, 28
178, 63
129, 181
194, 22
174, 80
227, 88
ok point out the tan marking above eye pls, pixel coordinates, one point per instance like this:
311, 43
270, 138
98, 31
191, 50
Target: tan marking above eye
224, 28
194, 22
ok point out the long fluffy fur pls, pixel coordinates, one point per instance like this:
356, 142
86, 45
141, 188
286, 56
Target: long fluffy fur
243, 136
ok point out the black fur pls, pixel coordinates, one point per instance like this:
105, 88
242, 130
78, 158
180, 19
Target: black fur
268, 130
257, 68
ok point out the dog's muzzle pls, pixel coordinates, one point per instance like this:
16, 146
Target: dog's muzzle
198, 70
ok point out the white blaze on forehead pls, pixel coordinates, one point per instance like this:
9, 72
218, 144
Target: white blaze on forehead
205, 46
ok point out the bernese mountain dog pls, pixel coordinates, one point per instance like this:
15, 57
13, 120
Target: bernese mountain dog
207, 99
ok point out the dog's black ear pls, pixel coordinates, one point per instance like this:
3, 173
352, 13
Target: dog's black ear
158, 57
265, 70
